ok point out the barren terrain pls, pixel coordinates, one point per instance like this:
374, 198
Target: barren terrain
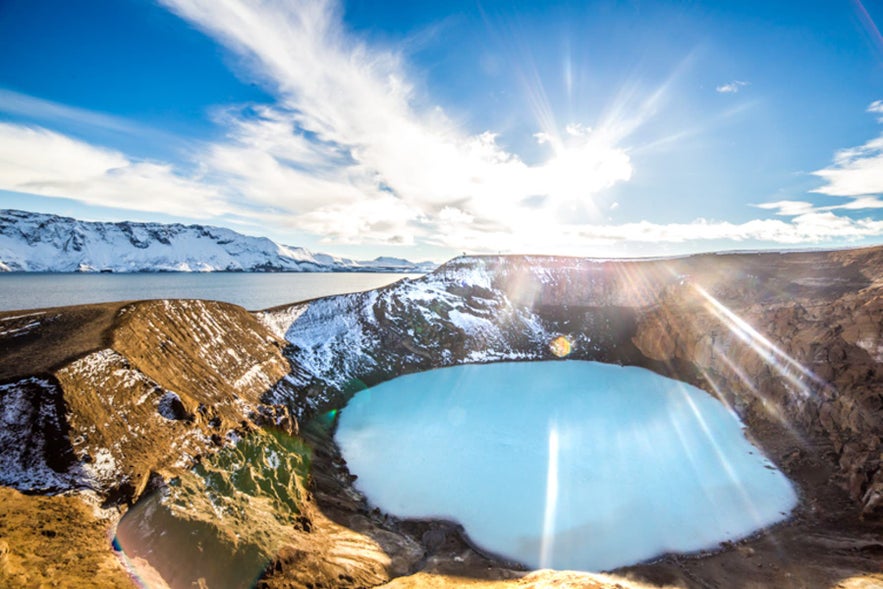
105, 406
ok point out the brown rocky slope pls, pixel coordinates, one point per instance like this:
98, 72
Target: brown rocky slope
106, 404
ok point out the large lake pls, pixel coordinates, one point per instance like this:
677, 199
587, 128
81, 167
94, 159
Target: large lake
566, 465
253, 291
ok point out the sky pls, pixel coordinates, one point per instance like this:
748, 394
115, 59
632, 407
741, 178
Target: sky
426, 129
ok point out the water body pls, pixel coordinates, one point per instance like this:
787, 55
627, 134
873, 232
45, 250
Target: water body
253, 291
566, 465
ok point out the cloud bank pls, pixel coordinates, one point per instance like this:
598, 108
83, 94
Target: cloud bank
856, 171
34, 160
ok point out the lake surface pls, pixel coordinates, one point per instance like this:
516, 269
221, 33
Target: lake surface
566, 465
253, 291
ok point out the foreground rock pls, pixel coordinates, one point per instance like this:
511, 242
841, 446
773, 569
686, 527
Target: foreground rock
218, 422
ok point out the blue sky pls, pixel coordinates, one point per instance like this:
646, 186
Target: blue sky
423, 129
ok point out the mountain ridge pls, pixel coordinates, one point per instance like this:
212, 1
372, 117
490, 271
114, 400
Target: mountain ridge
42, 242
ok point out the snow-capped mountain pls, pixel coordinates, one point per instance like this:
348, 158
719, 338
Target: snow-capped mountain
37, 242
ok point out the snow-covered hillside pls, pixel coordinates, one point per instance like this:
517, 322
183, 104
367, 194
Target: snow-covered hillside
36, 242
470, 310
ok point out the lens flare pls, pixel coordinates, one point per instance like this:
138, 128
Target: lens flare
560, 346
547, 548
785, 365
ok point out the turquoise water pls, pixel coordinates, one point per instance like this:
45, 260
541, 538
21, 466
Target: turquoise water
253, 291
566, 465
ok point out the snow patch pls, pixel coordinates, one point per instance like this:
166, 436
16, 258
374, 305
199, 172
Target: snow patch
103, 467
252, 376
329, 338
171, 407
25, 316
279, 321
873, 347
24, 329
30, 427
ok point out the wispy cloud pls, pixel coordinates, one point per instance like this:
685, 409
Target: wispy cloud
19, 104
38, 161
794, 208
788, 208
731, 87
809, 228
856, 175
856, 171
47, 112
352, 114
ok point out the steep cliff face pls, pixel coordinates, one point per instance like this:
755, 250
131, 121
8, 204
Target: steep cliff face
812, 362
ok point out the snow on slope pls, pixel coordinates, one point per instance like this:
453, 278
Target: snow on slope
31, 429
470, 310
35, 242
454, 315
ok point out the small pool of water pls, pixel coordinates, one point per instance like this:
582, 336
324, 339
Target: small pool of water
566, 465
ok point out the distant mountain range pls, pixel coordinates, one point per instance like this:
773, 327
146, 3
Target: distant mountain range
37, 242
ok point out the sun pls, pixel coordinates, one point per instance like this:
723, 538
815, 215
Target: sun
581, 171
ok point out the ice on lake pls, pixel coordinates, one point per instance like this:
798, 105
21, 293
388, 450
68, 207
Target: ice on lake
565, 465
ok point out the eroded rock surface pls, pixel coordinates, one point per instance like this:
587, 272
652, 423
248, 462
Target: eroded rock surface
156, 387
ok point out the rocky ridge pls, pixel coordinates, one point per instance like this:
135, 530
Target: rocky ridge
218, 420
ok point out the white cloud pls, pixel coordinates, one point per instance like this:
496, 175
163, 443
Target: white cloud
856, 174
861, 203
788, 208
578, 130
794, 208
731, 87
42, 162
37, 161
856, 171
587, 239
385, 219
367, 137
